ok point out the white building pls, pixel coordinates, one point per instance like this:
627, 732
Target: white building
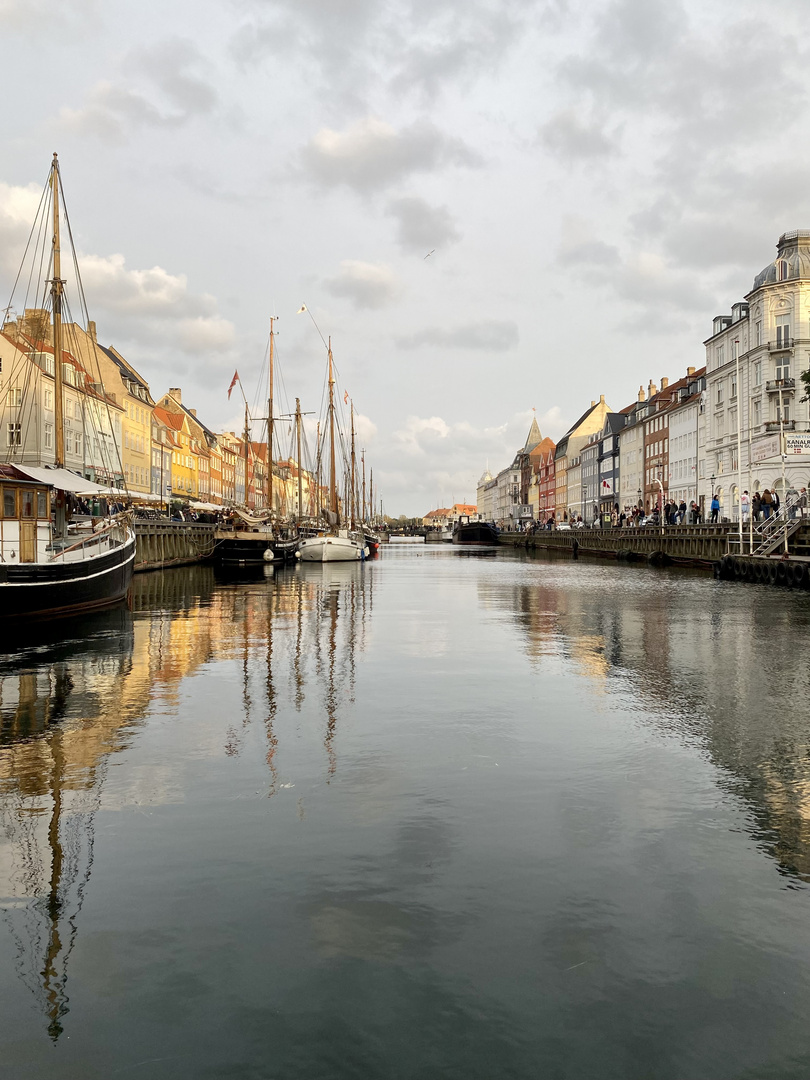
684, 418
753, 360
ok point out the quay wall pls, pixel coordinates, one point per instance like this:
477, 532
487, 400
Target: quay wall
686, 545
159, 544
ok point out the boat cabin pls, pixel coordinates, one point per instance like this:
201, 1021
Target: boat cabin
25, 518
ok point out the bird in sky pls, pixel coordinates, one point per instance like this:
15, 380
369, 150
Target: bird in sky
429, 253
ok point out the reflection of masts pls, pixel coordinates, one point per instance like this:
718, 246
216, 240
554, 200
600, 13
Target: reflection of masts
272, 704
52, 984
331, 692
297, 672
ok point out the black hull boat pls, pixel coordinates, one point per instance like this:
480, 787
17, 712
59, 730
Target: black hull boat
243, 549
475, 532
40, 590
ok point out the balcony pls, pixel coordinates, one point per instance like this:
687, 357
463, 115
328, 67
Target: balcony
783, 345
776, 425
773, 386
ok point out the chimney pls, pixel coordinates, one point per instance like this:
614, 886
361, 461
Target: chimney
592, 404
601, 399
193, 412
641, 394
690, 371
652, 389
664, 382
176, 393
91, 330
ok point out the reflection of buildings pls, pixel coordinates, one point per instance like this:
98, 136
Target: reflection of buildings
69, 705
713, 665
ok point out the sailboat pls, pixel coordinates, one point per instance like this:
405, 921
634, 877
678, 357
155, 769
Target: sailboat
333, 544
44, 568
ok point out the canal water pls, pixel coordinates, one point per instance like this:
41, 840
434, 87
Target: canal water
450, 813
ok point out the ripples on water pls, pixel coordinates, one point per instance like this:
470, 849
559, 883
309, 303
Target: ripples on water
450, 813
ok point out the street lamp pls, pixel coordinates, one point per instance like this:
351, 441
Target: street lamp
739, 440
712, 478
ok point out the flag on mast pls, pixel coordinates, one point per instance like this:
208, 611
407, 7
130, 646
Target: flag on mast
302, 308
234, 381
345, 397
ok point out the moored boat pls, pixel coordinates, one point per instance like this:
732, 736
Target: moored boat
475, 532
47, 567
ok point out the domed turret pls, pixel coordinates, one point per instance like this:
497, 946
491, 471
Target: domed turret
792, 259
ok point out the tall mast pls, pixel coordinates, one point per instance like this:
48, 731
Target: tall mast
56, 303
371, 495
363, 508
247, 445
318, 470
298, 454
333, 499
270, 425
352, 500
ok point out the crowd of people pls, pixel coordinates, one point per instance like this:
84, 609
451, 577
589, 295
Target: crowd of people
760, 507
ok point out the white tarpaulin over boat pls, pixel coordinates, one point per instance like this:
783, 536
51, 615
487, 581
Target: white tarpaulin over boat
205, 506
66, 480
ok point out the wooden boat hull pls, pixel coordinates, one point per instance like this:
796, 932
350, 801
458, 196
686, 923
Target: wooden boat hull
331, 549
37, 590
476, 532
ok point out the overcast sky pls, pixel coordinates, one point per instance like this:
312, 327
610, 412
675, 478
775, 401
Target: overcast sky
596, 180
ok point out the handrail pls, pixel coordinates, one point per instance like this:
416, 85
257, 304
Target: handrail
114, 524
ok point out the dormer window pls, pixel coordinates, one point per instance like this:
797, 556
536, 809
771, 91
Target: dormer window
783, 270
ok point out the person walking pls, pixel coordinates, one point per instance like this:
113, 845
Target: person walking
756, 506
792, 501
715, 508
776, 502
767, 503
803, 502
745, 506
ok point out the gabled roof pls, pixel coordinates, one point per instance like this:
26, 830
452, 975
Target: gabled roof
169, 419
124, 367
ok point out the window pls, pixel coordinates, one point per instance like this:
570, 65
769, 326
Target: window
782, 331
758, 373
42, 504
14, 435
49, 399
27, 504
78, 442
9, 502
48, 436
734, 385
783, 412
756, 412
759, 332
14, 397
721, 355
719, 396
783, 367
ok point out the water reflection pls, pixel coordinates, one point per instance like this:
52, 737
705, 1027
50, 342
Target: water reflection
711, 663
71, 698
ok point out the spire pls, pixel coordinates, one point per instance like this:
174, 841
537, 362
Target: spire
534, 437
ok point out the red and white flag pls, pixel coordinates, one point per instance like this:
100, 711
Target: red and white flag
346, 397
234, 381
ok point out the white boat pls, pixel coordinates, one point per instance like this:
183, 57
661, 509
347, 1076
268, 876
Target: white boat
333, 543
332, 547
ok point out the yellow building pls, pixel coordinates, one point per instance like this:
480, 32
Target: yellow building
130, 391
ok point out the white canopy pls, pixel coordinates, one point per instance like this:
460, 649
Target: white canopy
66, 480
205, 506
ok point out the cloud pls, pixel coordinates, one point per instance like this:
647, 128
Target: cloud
487, 335
404, 47
367, 285
572, 138
171, 94
422, 227
372, 155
